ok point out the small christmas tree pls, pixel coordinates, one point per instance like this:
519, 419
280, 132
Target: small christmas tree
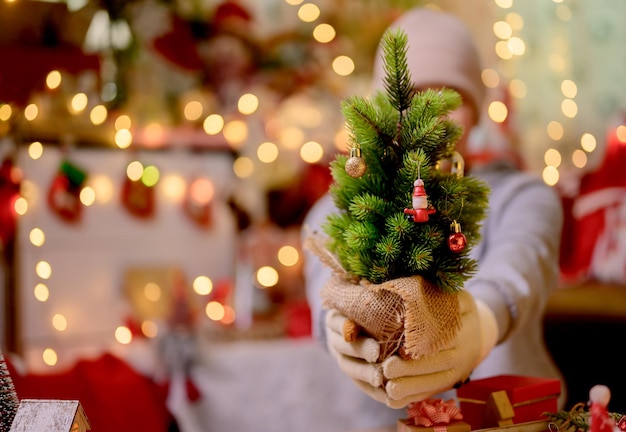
403, 136
8, 397
400, 214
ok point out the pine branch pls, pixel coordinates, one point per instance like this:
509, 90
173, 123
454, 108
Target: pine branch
397, 81
8, 397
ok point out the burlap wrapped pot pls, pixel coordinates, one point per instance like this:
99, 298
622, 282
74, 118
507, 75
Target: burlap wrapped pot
408, 314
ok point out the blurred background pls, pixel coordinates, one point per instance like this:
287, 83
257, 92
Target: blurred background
159, 156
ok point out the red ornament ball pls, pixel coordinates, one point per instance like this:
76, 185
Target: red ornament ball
457, 242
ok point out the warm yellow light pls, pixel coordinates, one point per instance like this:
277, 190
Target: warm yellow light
173, 187
267, 152
214, 310
87, 196
5, 112
152, 291
229, 315
98, 115
103, 188
569, 108
31, 112
43, 269
59, 322
150, 175
552, 157
498, 111
267, 276
490, 77
291, 137
235, 132
555, 130
324, 33
123, 335
41, 292
149, 329
502, 30
53, 79
504, 4
20, 206
134, 170
248, 103
243, 167
516, 46
122, 122
518, 88
588, 142
123, 138
35, 150
515, 20
311, 152
153, 134
288, 256
201, 190
78, 103
579, 158
343, 65
550, 175
213, 124
202, 285
341, 139
620, 133
49, 357
293, 2
37, 237
503, 51
569, 89
193, 110
308, 12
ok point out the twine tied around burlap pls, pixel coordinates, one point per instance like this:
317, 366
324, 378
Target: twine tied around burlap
409, 313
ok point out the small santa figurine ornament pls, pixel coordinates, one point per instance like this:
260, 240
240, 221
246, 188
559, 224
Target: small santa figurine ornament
421, 209
600, 420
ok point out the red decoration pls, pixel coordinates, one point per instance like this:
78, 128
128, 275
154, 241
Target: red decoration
64, 192
110, 391
421, 209
457, 240
198, 202
138, 198
434, 411
530, 397
593, 225
9, 193
601, 421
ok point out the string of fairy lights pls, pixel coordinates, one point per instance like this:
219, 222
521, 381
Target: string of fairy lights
234, 131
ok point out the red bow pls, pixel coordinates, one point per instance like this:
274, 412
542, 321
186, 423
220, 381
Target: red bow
431, 412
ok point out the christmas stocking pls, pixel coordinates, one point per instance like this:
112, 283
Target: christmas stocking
64, 192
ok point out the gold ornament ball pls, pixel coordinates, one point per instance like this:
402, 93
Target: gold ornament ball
356, 166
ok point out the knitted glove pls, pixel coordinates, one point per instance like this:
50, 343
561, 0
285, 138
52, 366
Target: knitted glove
397, 381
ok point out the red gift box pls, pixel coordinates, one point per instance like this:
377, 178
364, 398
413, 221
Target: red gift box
485, 402
407, 425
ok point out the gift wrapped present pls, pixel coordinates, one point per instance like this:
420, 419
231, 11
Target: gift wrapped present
433, 415
507, 399
407, 425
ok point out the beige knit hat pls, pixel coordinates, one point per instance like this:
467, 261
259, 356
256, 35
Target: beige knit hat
441, 52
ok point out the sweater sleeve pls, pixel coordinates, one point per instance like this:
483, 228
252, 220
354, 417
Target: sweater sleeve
518, 256
315, 273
